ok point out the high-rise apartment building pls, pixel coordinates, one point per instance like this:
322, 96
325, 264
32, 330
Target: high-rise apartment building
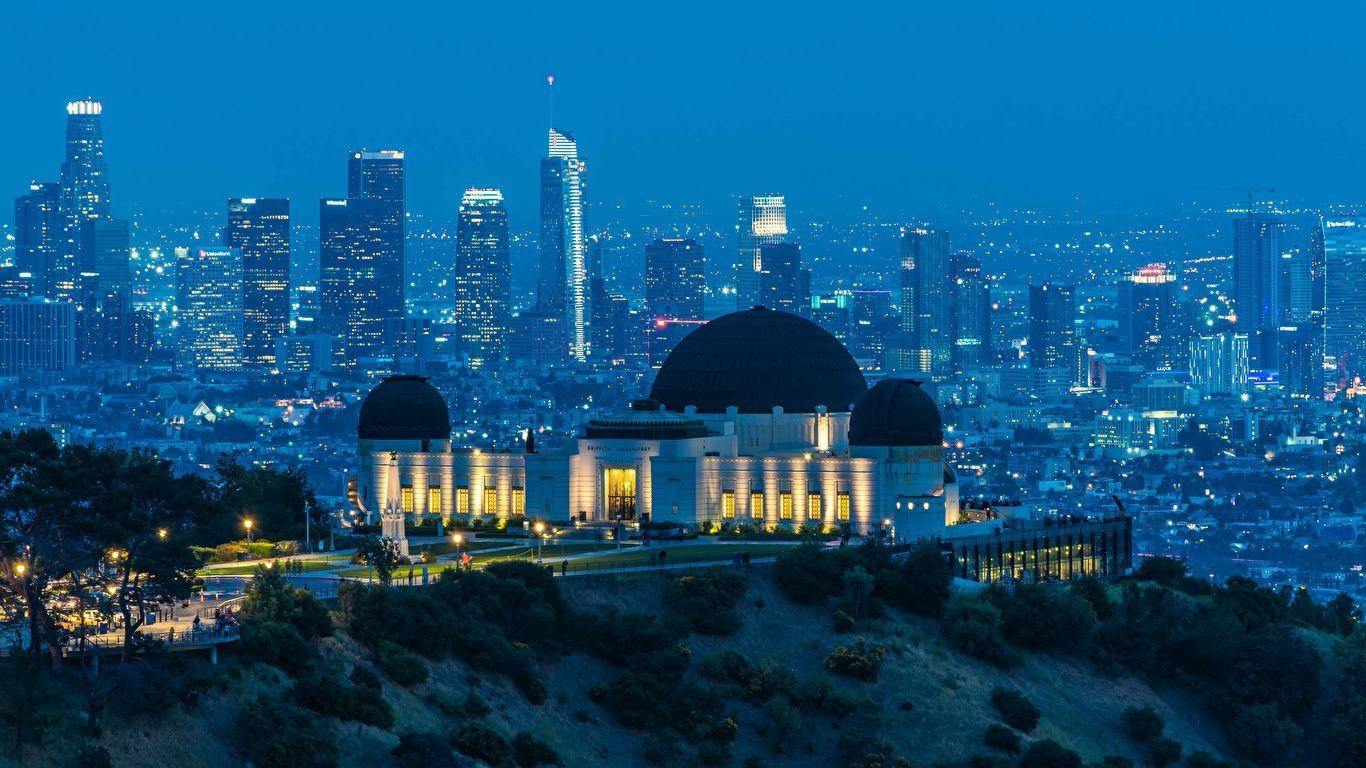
564, 281
483, 275
1219, 364
675, 279
783, 283
38, 234
259, 228
1256, 285
1151, 324
104, 252
36, 335
762, 221
84, 187
208, 308
1053, 343
971, 310
926, 300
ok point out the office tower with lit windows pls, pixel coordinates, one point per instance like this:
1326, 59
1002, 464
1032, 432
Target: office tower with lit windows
483, 275
1219, 364
37, 233
926, 301
762, 221
1150, 320
208, 308
1316, 284
36, 335
84, 183
1256, 285
1301, 358
1296, 285
971, 308
564, 286
105, 249
783, 283
675, 278
259, 228
351, 272
1053, 343
1344, 298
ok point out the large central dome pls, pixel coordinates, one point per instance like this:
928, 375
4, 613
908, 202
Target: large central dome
404, 407
756, 359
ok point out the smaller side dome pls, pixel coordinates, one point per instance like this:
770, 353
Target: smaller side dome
896, 413
404, 407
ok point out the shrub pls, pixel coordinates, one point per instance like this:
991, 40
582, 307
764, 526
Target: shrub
1163, 751
807, 574
277, 644
974, 627
403, 667
1094, 592
661, 748
1016, 710
1142, 723
476, 740
1167, 571
529, 751
425, 750
360, 701
926, 577
280, 735
1044, 617
271, 598
858, 661
1049, 754
1001, 738
786, 719
706, 599
842, 622
94, 756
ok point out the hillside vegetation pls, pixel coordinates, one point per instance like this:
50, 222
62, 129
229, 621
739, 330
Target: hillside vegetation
848, 658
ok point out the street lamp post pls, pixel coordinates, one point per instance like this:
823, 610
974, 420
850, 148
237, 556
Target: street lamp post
539, 527
248, 524
456, 539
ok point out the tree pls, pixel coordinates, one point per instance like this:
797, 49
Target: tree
1167, 571
382, 555
1142, 723
139, 515
1049, 754
275, 500
1342, 614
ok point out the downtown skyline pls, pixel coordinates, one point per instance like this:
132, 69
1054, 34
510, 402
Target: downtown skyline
1087, 116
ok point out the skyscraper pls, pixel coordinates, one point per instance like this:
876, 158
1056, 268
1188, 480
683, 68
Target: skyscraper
762, 221
1256, 285
483, 275
563, 285
926, 299
361, 254
38, 233
104, 252
675, 279
971, 308
783, 284
1053, 340
208, 308
1150, 322
84, 187
1344, 305
259, 228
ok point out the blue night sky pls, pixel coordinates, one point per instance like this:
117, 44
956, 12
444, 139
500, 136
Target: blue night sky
909, 109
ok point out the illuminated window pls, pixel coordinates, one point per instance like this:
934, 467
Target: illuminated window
406, 495
813, 506
518, 501
728, 504
491, 500
842, 506
756, 504
434, 500
785, 505
462, 500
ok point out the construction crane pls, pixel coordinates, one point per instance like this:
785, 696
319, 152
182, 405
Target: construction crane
1249, 189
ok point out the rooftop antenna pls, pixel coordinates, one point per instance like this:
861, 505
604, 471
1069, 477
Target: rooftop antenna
550, 99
